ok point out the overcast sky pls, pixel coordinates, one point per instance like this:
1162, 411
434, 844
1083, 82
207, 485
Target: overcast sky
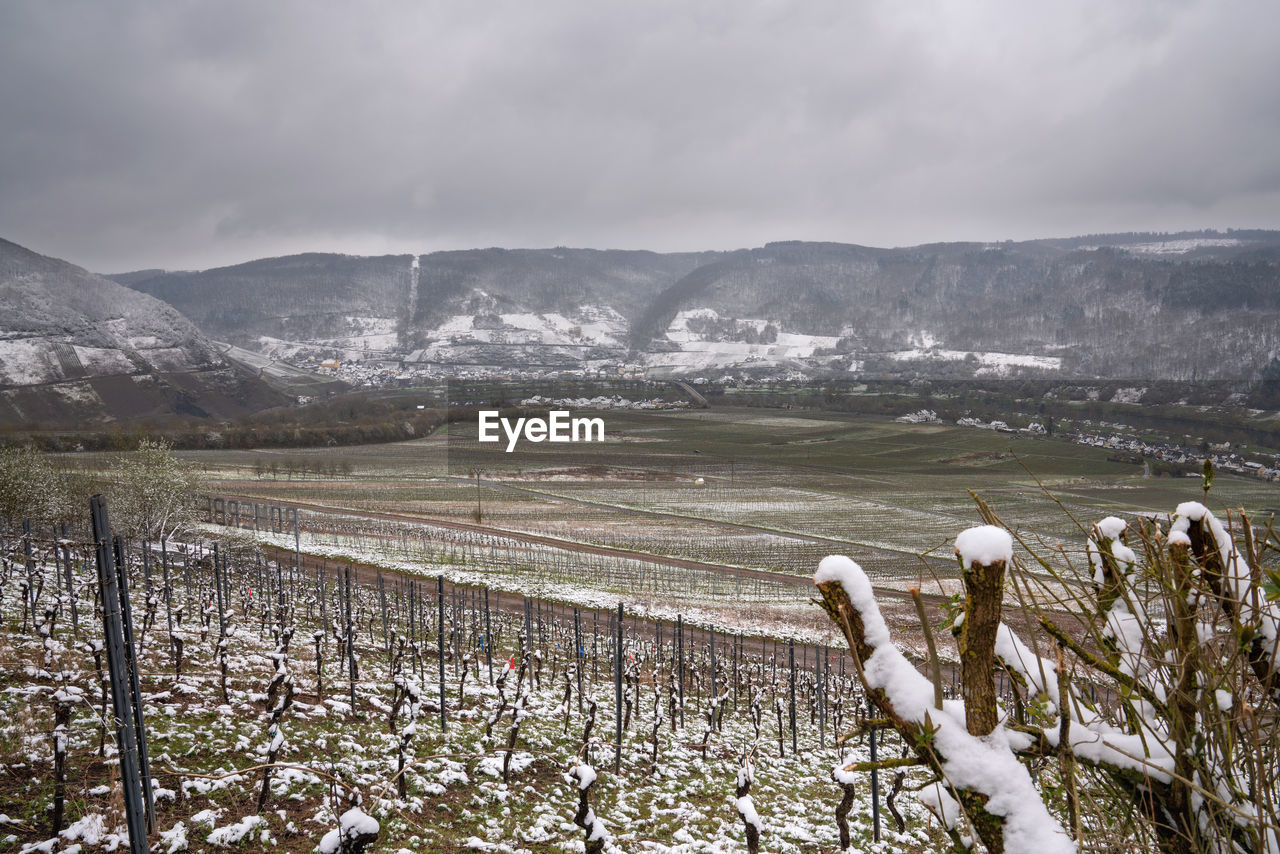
187, 135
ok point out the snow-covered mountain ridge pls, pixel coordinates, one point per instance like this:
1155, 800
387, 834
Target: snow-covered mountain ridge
1195, 305
77, 347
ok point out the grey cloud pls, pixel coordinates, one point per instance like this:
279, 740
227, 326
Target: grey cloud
188, 134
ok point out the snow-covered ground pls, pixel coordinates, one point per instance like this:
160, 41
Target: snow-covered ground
1128, 395
991, 364
591, 325
28, 362
701, 351
1179, 247
602, 402
673, 790
101, 360
364, 334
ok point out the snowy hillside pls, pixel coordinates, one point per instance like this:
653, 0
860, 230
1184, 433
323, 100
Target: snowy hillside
705, 342
1194, 305
74, 345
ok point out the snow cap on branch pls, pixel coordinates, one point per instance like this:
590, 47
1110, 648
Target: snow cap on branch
747, 809
840, 775
1237, 576
987, 765
985, 545
1041, 674
858, 587
1111, 527
939, 802
584, 774
354, 825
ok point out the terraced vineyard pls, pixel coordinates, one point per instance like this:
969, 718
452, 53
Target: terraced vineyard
471, 685
283, 706
746, 489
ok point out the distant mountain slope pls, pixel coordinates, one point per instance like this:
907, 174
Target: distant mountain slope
76, 347
552, 306
1195, 310
548, 280
1195, 305
312, 296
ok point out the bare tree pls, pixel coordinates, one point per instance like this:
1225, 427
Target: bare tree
30, 488
152, 489
1159, 702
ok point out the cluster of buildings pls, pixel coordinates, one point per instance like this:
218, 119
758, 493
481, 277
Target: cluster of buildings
391, 371
1223, 458
603, 402
1035, 428
394, 373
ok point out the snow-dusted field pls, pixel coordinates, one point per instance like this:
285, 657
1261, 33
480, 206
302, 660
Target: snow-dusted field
673, 789
995, 364
699, 349
595, 325
1179, 247
28, 362
101, 360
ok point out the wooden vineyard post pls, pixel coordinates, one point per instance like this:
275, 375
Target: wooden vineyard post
713, 663
578, 652
528, 636
186, 584
66, 567
217, 585
455, 603
440, 598
29, 595
121, 697
617, 693
146, 589
297, 556
680, 662
488, 636
320, 595
411, 630
737, 650
168, 593
821, 687
791, 651
351, 641
221, 646
386, 630
875, 781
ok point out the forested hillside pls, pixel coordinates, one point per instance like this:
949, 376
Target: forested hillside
78, 348
1190, 306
